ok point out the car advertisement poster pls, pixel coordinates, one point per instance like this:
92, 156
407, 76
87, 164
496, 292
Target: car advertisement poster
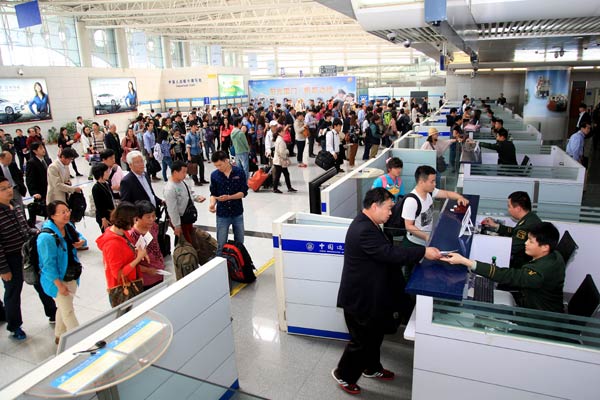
231, 86
114, 95
546, 92
24, 100
276, 90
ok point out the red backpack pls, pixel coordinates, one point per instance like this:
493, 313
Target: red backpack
239, 263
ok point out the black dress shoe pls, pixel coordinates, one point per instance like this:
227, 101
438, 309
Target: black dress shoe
197, 184
203, 181
78, 174
277, 191
292, 190
312, 156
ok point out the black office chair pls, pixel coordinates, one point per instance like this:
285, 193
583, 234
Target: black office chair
566, 247
585, 300
525, 161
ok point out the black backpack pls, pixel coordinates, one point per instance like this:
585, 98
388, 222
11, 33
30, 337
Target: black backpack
239, 263
31, 258
395, 225
77, 204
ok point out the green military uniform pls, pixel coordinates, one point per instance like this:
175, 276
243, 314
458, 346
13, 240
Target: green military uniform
540, 282
518, 258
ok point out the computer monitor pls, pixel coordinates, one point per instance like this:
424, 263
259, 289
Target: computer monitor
585, 300
314, 190
566, 246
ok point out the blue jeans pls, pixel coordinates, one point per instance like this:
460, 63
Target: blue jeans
223, 224
241, 159
166, 162
209, 145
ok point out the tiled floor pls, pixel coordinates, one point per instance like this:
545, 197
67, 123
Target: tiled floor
270, 363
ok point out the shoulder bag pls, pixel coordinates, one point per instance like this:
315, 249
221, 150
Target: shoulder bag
190, 215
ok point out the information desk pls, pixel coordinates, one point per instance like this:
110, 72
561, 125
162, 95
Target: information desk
125, 354
436, 278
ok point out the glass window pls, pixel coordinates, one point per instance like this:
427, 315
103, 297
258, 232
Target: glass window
177, 54
53, 43
143, 50
198, 54
104, 48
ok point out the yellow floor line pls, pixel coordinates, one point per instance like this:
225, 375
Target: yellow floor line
262, 269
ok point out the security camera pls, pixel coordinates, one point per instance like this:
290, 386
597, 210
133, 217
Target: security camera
392, 36
406, 43
20, 72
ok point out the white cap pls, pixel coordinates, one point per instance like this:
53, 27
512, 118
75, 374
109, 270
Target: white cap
273, 123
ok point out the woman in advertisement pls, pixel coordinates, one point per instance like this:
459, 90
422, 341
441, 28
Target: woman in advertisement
40, 101
131, 98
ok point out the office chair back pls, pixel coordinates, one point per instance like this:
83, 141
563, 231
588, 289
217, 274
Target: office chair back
525, 161
566, 246
585, 300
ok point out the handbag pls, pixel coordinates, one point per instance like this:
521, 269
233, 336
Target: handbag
306, 132
152, 166
190, 215
325, 160
192, 168
125, 290
440, 164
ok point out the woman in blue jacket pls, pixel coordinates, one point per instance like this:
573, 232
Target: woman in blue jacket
40, 100
60, 268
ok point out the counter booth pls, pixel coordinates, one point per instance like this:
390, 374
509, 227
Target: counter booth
172, 342
481, 347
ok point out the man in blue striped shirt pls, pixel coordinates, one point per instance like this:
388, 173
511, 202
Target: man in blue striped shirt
575, 143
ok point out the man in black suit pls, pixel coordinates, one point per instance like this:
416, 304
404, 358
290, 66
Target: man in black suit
370, 278
584, 116
10, 171
136, 185
36, 176
112, 141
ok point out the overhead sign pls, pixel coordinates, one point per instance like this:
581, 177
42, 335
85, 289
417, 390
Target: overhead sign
328, 70
339, 87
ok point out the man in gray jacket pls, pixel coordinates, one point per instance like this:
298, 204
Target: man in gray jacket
177, 195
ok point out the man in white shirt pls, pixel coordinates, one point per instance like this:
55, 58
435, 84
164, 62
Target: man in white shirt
79, 125
419, 222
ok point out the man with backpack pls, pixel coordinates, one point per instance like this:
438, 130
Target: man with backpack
14, 233
417, 209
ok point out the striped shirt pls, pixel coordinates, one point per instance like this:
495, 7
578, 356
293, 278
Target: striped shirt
14, 231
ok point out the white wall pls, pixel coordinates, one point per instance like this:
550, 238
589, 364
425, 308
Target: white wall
70, 95
483, 85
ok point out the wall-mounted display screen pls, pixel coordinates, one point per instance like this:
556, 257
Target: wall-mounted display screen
24, 100
114, 95
231, 86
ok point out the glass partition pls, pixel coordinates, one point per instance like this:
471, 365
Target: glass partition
486, 134
553, 212
517, 171
524, 322
159, 383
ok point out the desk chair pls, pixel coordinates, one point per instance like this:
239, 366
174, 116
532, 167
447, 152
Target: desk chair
585, 300
566, 247
525, 161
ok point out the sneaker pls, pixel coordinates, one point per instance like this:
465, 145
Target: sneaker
351, 388
19, 334
384, 375
52, 320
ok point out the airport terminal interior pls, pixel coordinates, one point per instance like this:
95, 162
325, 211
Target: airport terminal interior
526, 77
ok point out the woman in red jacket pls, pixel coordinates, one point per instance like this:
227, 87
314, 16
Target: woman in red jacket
117, 247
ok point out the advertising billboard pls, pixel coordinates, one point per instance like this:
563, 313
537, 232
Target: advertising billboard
24, 100
342, 87
546, 92
231, 86
114, 95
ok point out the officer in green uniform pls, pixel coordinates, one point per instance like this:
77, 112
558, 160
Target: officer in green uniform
540, 281
519, 208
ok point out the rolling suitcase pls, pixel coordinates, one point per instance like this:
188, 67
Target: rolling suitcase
257, 179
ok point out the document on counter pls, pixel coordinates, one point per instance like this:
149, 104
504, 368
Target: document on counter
88, 371
136, 336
